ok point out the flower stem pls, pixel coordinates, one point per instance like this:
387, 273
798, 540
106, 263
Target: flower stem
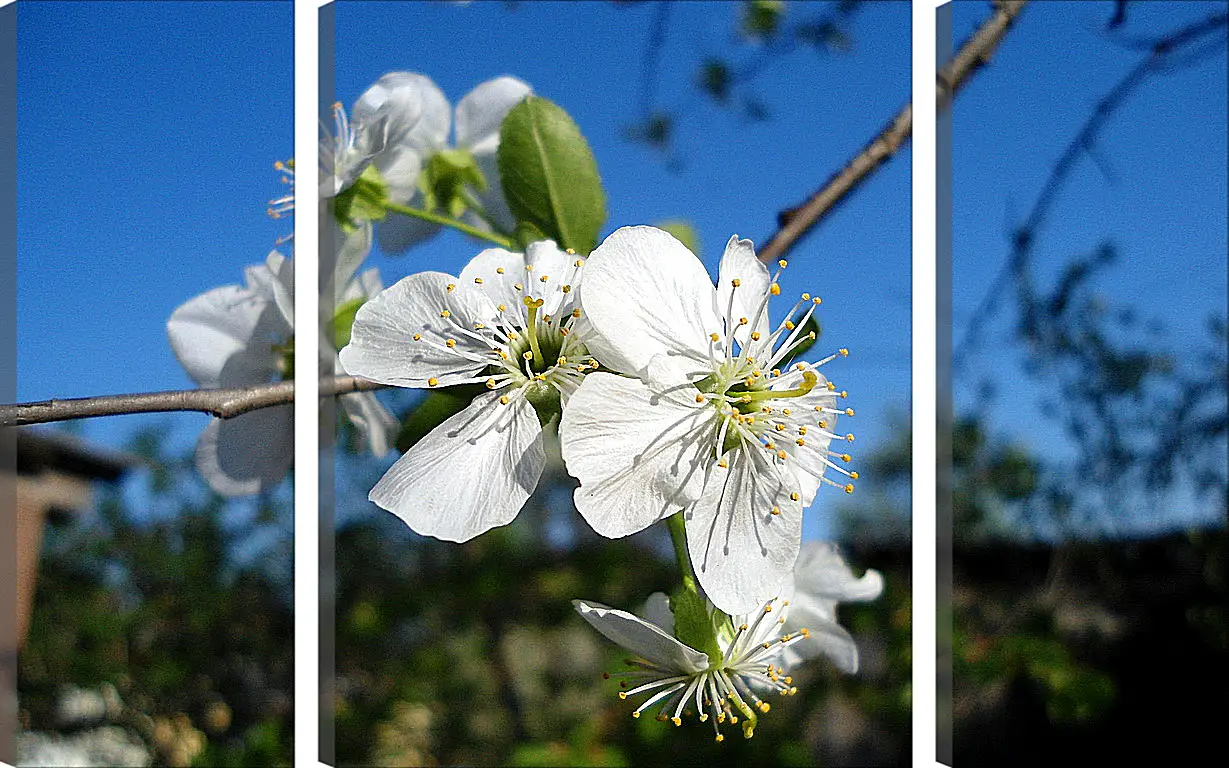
678, 535
460, 226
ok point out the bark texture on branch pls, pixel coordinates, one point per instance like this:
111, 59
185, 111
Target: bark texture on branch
794, 223
222, 403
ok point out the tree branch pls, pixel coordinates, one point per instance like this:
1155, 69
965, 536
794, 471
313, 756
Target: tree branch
1157, 58
222, 403
794, 223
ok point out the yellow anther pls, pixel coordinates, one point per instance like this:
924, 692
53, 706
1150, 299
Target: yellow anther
502, 307
804, 632
774, 289
846, 457
561, 361
445, 313
750, 359
822, 424
699, 398
849, 488
755, 335
785, 411
479, 326
636, 715
789, 325
779, 427
720, 738
566, 289
502, 354
831, 387
794, 496
623, 695
770, 446
764, 706
782, 263
736, 282
676, 720
854, 475
431, 382
802, 430
578, 262
782, 455
806, 297
704, 717
570, 251
714, 337
776, 510
490, 384
817, 301
519, 286
776, 371
576, 313
723, 464
450, 287
504, 400
742, 321
499, 270
544, 278
843, 352
812, 336
849, 411
800, 366
800, 442
450, 343
528, 355
478, 280
849, 437
418, 337
844, 393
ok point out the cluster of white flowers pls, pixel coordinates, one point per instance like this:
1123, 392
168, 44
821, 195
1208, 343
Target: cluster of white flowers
675, 399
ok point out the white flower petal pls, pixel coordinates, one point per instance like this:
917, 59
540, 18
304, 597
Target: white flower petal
739, 263
249, 453
642, 638
827, 638
483, 109
399, 169
351, 249
382, 346
375, 424
225, 337
645, 294
656, 610
415, 113
822, 572
741, 552
492, 198
498, 285
639, 456
472, 473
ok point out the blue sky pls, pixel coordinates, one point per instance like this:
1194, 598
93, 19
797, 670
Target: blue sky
1164, 206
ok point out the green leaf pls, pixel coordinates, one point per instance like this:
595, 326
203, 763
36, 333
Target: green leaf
343, 321
683, 232
693, 624
365, 200
549, 175
762, 18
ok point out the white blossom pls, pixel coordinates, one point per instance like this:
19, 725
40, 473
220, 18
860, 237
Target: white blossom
507, 323
710, 425
680, 680
242, 335
397, 125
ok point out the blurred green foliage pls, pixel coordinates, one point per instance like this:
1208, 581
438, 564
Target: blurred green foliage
152, 596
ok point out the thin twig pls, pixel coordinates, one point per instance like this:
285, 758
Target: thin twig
222, 403
1026, 235
795, 222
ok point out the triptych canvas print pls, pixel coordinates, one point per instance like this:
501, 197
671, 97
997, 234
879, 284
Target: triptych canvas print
618, 457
